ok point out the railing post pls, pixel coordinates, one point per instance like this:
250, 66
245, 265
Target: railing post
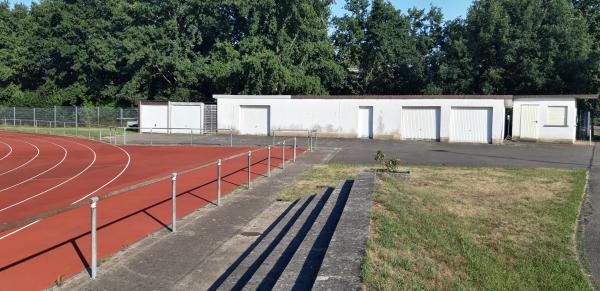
191, 136
14, 116
268, 161
294, 149
174, 201
219, 182
124, 135
151, 129
249, 161
76, 122
34, 119
230, 138
93, 202
283, 154
54, 116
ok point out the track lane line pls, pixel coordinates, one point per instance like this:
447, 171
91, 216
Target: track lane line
23, 165
9, 152
113, 179
56, 186
44, 172
101, 187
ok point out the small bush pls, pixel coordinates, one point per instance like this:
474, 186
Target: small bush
380, 157
390, 165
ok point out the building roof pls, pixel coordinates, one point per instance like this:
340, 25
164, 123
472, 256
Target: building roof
576, 96
403, 97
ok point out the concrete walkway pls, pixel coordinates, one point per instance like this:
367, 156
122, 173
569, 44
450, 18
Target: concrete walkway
589, 224
186, 260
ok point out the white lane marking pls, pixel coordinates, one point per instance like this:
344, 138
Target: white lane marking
10, 150
23, 165
19, 229
44, 172
56, 186
113, 179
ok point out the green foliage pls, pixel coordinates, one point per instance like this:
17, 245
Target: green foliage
379, 156
391, 165
116, 52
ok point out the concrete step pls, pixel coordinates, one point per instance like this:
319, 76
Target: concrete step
241, 272
301, 272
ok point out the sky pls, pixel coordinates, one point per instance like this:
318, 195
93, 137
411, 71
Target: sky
450, 8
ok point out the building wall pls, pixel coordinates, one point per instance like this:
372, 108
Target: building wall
547, 133
339, 117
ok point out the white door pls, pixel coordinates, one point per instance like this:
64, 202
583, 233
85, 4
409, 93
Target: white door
186, 118
365, 122
254, 120
471, 124
421, 123
530, 116
154, 118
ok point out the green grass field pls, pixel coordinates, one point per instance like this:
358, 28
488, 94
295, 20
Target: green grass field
84, 132
468, 228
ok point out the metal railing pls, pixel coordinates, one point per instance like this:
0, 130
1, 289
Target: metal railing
95, 201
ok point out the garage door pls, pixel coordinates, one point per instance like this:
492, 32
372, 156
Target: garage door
422, 123
254, 120
154, 117
471, 124
186, 118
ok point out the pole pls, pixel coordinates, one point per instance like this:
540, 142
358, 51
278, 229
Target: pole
100, 134
268, 161
249, 160
283, 154
34, 120
230, 138
54, 116
173, 199
76, 121
294, 149
589, 121
151, 129
124, 135
98, 115
191, 136
14, 116
219, 182
93, 202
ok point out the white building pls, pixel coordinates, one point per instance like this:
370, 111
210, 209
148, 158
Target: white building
171, 117
445, 118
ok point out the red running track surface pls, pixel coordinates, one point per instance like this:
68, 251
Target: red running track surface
40, 173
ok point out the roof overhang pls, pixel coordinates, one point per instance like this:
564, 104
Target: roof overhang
558, 96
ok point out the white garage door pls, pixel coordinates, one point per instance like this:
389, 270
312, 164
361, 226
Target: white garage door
365, 122
471, 124
186, 118
154, 117
254, 120
421, 123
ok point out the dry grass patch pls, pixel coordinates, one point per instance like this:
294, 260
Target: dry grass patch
476, 228
319, 177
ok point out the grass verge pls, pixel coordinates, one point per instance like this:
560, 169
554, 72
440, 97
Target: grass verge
468, 228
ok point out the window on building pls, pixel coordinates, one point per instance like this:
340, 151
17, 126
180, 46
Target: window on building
557, 116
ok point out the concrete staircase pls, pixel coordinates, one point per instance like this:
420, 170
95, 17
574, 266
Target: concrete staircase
289, 255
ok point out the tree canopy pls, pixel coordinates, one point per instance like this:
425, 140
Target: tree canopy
117, 52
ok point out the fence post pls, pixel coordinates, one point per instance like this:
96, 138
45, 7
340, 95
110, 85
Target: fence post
269, 161
590, 131
14, 116
191, 136
174, 201
124, 135
151, 129
54, 116
294, 149
283, 154
100, 134
219, 182
34, 120
64, 128
93, 202
98, 115
230, 138
76, 122
249, 161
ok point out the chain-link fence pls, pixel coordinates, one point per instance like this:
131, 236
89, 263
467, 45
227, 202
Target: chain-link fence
70, 116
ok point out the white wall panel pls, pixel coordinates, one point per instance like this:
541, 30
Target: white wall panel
186, 115
471, 124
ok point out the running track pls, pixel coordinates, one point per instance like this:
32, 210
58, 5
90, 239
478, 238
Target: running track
41, 173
